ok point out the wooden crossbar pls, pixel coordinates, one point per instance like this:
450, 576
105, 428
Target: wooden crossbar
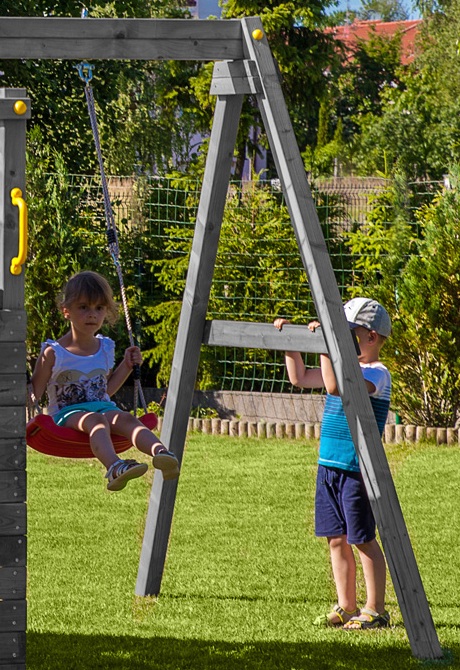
251, 335
138, 39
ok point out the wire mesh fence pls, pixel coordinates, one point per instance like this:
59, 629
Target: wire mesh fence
258, 275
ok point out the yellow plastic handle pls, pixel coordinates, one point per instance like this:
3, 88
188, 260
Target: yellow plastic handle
19, 260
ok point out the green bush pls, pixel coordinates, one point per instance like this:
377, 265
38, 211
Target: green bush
67, 233
258, 275
414, 270
57, 240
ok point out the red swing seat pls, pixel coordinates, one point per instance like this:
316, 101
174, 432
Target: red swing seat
44, 435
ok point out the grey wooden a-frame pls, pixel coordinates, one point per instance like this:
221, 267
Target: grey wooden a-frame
248, 68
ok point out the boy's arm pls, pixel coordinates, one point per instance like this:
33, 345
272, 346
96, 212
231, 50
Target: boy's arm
298, 374
315, 377
330, 381
42, 372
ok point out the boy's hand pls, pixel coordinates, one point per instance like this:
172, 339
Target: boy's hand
279, 323
133, 357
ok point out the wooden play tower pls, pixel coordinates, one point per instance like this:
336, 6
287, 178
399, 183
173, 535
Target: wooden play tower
244, 66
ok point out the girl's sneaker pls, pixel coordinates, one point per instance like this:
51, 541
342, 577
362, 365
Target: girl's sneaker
167, 462
121, 472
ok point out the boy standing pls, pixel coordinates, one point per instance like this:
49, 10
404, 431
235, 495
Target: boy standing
342, 510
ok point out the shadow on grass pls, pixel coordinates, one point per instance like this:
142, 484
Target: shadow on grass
52, 651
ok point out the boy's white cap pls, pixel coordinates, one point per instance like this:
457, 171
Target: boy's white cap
368, 313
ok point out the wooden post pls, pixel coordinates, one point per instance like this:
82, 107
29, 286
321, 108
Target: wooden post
374, 466
190, 334
14, 110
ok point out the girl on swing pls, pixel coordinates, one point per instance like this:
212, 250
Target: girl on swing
76, 371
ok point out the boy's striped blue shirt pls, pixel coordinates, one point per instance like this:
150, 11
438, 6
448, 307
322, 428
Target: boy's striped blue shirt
336, 445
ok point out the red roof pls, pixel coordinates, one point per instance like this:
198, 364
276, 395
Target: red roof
359, 31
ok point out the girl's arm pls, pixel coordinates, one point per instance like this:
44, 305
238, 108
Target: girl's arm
121, 373
42, 372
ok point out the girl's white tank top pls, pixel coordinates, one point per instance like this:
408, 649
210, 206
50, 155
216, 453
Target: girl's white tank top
76, 379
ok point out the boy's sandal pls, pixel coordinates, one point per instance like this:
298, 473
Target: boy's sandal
122, 471
336, 617
368, 619
167, 462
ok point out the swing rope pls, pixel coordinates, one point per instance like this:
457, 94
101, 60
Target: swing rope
85, 70
42, 434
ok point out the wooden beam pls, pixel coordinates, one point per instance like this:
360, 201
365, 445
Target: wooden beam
13, 325
12, 650
12, 175
12, 583
13, 551
361, 420
12, 485
12, 615
137, 39
190, 334
13, 452
13, 357
249, 335
235, 78
13, 519
9, 109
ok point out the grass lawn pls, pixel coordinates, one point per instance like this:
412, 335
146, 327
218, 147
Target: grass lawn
245, 575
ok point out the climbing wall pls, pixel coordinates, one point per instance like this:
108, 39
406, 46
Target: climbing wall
14, 110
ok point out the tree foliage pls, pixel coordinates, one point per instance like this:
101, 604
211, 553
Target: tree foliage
416, 127
258, 275
386, 10
303, 51
146, 119
357, 90
414, 270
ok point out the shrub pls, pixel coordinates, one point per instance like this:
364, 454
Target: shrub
414, 270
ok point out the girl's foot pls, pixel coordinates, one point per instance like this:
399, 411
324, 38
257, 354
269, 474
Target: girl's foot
121, 472
165, 461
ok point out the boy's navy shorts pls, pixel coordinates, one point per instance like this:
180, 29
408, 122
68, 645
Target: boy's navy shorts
342, 506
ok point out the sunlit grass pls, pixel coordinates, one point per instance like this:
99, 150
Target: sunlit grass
245, 575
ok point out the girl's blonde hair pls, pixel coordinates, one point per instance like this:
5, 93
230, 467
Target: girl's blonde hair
91, 287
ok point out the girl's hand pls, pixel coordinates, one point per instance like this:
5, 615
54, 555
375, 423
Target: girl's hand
133, 357
279, 323
313, 325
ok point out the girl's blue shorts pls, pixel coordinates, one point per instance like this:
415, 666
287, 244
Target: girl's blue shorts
342, 506
97, 406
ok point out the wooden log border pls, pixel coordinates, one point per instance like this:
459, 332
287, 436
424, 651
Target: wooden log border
298, 430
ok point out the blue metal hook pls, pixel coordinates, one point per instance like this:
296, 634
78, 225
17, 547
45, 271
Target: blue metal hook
85, 70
